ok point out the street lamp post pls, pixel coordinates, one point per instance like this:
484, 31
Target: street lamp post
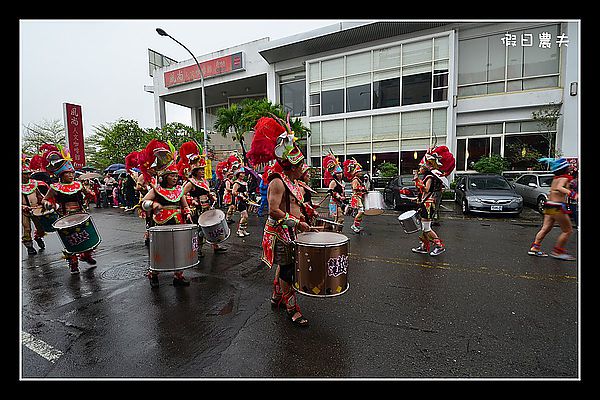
161, 32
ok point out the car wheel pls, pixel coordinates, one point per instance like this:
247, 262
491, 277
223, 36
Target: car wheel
465, 207
540, 204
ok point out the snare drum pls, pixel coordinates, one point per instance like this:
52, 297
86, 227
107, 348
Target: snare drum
321, 264
46, 218
410, 221
214, 226
77, 233
173, 247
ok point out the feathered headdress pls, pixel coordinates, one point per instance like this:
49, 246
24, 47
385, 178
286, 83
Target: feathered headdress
155, 158
132, 160
331, 166
555, 164
234, 162
274, 140
57, 159
190, 158
36, 163
25, 161
220, 169
439, 158
351, 167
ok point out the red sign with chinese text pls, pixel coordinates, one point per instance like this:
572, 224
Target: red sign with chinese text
74, 128
218, 66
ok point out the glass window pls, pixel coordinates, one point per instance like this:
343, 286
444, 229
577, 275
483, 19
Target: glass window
472, 66
358, 63
386, 58
416, 89
293, 97
386, 126
409, 160
417, 52
386, 93
358, 129
441, 47
439, 122
416, 124
332, 132
477, 148
315, 133
387, 146
358, 93
461, 153
332, 68
332, 101
314, 71
358, 98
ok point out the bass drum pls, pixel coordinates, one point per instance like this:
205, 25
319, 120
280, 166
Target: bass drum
373, 203
173, 247
321, 264
77, 232
214, 226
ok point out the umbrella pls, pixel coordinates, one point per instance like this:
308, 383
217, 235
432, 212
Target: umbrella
87, 168
114, 167
120, 171
90, 175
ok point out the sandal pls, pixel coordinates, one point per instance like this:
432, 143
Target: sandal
300, 321
276, 302
537, 253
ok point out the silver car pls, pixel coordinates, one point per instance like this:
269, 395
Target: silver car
487, 193
534, 188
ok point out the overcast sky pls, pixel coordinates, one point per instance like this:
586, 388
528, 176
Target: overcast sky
102, 65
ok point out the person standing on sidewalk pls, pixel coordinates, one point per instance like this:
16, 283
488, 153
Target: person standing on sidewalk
555, 211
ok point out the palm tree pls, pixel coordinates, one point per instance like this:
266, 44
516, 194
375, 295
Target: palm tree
231, 119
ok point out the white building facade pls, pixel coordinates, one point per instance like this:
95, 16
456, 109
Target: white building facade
386, 91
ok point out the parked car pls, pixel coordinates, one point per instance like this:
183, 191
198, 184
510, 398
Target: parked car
401, 193
487, 193
534, 188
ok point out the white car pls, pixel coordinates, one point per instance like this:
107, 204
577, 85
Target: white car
534, 188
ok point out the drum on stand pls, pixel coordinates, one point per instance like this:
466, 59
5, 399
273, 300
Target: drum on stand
173, 247
321, 264
373, 203
214, 226
46, 218
77, 232
410, 221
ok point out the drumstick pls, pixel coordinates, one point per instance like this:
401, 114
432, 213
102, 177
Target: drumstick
323, 199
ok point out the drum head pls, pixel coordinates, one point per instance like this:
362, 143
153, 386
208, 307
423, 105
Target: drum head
407, 215
321, 238
211, 217
70, 220
172, 228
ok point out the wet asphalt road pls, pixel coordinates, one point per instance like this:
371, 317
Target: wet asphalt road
484, 309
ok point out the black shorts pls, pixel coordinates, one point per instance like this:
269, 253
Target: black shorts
241, 206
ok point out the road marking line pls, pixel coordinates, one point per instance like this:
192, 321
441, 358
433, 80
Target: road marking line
40, 347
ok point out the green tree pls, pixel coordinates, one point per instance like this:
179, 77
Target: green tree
493, 164
546, 117
388, 169
177, 133
115, 140
230, 120
36, 134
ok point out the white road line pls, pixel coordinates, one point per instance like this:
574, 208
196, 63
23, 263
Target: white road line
40, 347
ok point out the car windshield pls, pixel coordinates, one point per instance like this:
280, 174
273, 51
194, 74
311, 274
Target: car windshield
406, 181
490, 182
546, 181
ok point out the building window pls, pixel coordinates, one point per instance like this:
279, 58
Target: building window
519, 143
373, 79
486, 65
293, 94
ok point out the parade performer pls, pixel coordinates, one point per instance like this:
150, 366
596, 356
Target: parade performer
556, 211
274, 140
352, 172
240, 194
310, 209
196, 189
435, 165
66, 196
233, 164
165, 199
333, 179
31, 199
